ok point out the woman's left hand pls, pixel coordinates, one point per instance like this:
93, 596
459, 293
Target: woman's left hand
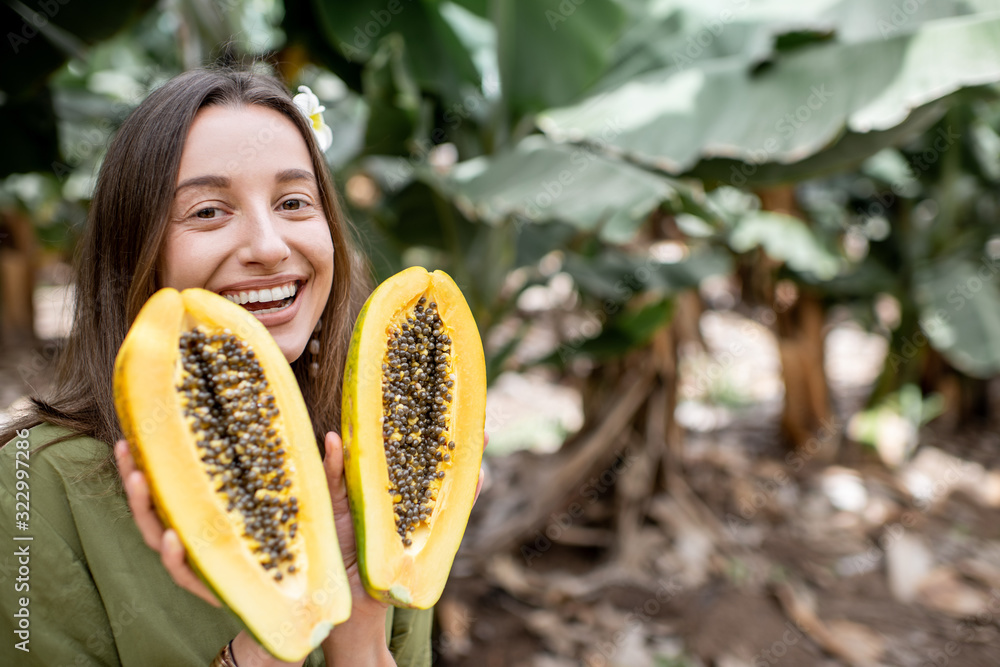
361, 639
482, 470
333, 462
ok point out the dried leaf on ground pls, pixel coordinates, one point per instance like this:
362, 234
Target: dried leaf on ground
908, 561
945, 591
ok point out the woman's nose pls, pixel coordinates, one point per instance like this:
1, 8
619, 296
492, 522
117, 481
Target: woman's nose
264, 242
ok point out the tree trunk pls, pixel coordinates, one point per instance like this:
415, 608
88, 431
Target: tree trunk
18, 263
800, 318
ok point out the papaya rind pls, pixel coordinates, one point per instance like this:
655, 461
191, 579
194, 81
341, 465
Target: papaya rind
411, 577
288, 619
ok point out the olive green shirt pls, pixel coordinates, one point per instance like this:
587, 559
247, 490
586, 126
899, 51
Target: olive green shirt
92, 591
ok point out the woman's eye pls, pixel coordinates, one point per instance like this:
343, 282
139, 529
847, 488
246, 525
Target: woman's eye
206, 213
291, 204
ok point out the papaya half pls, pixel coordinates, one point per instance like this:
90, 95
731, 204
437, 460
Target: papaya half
214, 418
414, 409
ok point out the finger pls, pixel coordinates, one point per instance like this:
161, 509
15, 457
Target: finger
333, 463
173, 557
138, 497
486, 440
479, 484
124, 458
141, 505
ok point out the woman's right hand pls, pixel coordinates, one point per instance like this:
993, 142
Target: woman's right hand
157, 537
246, 650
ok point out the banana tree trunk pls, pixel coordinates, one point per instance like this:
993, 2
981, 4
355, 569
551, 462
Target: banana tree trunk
799, 317
18, 263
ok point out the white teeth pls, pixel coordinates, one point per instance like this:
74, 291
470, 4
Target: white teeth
270, 310
264, 295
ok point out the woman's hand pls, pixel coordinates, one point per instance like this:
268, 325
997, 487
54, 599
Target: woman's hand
360, 640
159, 539
246, 650
482, 470
365, 630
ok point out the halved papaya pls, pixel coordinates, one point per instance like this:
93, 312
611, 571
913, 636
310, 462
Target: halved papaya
215, 419
414, 409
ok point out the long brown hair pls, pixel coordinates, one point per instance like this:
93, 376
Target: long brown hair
117, 259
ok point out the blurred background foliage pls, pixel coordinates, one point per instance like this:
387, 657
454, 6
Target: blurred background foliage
616, 153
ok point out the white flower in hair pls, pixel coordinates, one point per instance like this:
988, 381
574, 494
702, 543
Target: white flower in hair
309, 105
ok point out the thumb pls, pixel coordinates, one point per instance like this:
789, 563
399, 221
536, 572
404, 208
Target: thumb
333, 462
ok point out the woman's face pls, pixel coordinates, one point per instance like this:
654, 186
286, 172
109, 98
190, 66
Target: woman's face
247, 222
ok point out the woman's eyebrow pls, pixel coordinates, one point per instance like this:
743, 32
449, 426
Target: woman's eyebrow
224, 182
211, 181
294, 175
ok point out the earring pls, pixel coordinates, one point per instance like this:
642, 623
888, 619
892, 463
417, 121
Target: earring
314, 351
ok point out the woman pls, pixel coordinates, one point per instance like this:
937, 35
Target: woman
215, 181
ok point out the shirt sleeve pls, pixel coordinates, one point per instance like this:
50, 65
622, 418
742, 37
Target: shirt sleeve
410, 643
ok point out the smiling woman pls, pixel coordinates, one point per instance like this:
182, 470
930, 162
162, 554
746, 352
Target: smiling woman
215, 181
254, 227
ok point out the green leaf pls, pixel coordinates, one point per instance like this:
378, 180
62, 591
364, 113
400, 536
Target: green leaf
393, 100
614, 276
38, 39
845, 99
864, 281
986, 148
33, 146
890, 167
439, 62
959, 303
540, 181
640, 325
787, 239
551, 51
622, 331
796, 39
534, 241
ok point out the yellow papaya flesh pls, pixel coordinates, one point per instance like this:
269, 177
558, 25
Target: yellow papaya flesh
414, 409
215, 419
